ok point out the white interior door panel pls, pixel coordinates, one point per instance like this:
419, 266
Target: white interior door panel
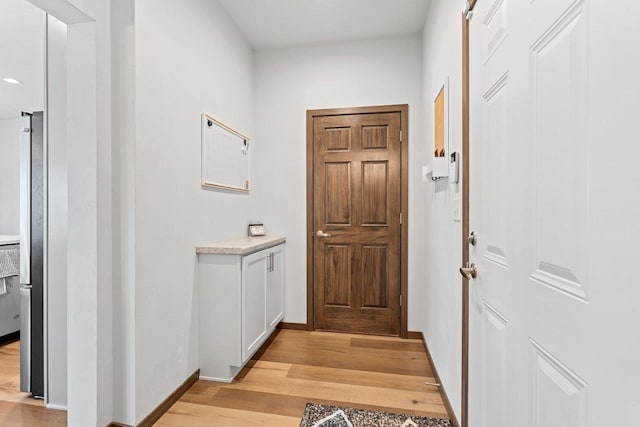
555, 202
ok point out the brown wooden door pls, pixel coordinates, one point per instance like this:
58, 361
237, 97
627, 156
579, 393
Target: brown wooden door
356, 217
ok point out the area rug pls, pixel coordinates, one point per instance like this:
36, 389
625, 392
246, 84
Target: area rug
333, 416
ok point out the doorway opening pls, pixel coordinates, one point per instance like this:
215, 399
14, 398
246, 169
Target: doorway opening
23, 221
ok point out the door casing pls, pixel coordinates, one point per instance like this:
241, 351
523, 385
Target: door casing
403, 109
464, 385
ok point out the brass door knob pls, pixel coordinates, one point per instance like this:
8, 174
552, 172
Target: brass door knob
321, 233
469, 272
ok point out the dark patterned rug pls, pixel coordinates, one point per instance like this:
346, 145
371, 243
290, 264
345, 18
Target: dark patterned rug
333, 416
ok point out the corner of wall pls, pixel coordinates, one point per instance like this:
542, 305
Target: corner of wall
442, 41
123, 208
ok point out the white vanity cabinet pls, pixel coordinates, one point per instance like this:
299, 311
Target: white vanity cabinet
275, 288
262, 297
240, 302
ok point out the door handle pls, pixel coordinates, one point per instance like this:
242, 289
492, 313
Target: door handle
321, 233
469, 272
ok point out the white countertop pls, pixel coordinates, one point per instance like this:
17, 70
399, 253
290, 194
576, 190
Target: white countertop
9, 240
241, 246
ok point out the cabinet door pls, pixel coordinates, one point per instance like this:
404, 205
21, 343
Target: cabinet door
254, 289
275, 289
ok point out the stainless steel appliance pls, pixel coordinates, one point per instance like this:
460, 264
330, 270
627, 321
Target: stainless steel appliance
25, 338
32, 186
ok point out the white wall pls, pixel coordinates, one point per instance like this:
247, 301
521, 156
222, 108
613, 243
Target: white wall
91, 298
123, 156
57, 214
189, 59
293, 80
89, 339
10, 177
442, 41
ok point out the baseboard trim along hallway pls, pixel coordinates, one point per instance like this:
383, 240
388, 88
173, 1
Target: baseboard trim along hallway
436, 375
161, 409
292, 326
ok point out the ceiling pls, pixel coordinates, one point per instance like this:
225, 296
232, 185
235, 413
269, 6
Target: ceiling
281, 23
265, 23
22, 27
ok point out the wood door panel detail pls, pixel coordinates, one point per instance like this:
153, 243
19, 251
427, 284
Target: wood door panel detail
338, 193
374, 137
375, 184
337, 286
375, 276
356, 203
338, 138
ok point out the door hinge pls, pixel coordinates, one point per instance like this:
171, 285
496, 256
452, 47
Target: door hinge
468, 10
400, 136
400, 300
400, 217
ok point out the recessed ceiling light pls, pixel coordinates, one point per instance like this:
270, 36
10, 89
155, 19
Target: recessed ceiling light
12, 81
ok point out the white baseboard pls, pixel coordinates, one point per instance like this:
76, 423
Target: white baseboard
56, 406
219, 380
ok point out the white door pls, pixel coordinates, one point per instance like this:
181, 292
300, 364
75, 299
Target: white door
555, 202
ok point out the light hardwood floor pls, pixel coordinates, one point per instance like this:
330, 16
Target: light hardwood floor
18, 409
385, 374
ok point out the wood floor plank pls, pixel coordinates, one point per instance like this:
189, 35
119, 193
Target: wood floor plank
269, 365
19, 415
202, 392
10, 377
408, 400
269, 381
410, 346
279, 404
348, 336
340, 355
254, 401
364, 378
189, 415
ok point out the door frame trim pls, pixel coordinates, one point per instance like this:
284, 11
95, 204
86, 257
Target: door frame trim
464, 386
403, 109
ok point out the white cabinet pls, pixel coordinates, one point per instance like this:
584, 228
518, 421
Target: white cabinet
255, 272
262, 297
275, 288
241, 301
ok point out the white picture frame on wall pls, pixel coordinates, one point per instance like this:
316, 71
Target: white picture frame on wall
440, 146
225, 157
